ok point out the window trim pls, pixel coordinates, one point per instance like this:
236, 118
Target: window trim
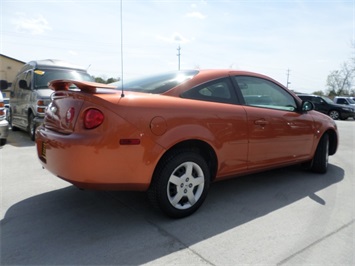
243, 102
234, 97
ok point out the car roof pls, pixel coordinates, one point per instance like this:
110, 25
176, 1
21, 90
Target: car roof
310, 95
227, 72
52, 63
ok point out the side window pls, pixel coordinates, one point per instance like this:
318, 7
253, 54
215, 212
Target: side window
342, 101
26, 76
264, 93
318, 100
16, 89
215, 91
306, 98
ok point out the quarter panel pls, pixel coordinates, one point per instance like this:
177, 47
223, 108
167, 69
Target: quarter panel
222, 126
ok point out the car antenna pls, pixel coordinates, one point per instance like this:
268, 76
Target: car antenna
122, 92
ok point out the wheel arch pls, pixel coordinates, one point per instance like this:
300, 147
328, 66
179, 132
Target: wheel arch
333, 141
29, 112
198, 146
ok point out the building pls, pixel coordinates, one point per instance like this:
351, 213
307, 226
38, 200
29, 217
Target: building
9, 67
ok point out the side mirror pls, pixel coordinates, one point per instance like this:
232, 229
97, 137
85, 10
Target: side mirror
23, 84
307, 106
3, 85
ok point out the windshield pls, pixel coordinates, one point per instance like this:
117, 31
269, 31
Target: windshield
43, 77
351, 101
157, 84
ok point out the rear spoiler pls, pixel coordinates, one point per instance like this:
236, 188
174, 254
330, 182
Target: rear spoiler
85, 86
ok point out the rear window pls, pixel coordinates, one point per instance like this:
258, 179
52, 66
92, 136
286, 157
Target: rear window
157, 84
305, 98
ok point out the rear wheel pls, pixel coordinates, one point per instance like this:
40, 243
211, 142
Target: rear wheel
334, 114
320, 159
180, 184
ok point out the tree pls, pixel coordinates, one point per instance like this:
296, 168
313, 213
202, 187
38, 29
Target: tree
339, 82
110, 80
320, 93
101, 80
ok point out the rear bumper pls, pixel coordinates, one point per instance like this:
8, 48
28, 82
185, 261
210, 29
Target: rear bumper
92, 161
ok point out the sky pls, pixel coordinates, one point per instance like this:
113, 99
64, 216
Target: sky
301, 41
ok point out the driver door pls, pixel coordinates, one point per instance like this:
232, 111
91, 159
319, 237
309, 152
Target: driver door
278, 132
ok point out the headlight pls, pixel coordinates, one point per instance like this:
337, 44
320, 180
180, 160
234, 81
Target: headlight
41, 105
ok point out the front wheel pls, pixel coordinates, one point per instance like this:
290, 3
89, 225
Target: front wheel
180, 184
334, 114
31, 127
320, 159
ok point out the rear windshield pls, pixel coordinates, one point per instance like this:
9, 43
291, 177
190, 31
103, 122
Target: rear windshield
44, 76
157, 84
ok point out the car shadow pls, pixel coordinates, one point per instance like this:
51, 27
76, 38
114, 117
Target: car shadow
20, 139
68, 226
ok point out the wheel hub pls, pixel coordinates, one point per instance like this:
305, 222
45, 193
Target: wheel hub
185, 185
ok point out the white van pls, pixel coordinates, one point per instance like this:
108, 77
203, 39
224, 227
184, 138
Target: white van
30, 94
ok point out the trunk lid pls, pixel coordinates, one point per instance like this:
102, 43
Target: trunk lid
63, 111
65, 108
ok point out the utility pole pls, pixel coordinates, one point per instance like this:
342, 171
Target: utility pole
288, 76
178, 54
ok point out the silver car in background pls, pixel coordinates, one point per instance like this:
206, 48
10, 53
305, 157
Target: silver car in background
4, 124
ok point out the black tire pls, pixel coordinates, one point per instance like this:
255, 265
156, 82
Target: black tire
2, 142
180, 184
334, 114
7, 111
320, 159
31, 127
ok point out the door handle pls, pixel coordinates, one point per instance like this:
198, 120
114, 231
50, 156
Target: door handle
261, 122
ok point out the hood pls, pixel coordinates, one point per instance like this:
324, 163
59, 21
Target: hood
44, 93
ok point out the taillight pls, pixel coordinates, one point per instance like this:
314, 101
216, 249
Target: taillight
93, 118
2, 108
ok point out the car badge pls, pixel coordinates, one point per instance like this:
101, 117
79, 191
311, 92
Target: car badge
70, 115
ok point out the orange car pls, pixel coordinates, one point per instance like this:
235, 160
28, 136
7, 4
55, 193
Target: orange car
173, 134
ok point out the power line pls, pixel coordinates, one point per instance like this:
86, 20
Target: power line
288, 76
178, 54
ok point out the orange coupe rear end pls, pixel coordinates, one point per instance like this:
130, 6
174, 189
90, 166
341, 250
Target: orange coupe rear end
173, 134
